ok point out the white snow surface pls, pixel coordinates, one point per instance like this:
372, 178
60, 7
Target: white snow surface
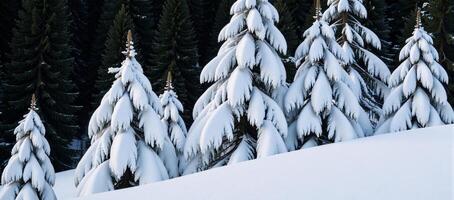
416, 164
64, 185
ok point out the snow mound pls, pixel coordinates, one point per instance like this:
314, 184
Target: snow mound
416, 164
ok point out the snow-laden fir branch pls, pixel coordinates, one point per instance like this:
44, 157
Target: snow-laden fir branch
29, 173
128, 136
236, 119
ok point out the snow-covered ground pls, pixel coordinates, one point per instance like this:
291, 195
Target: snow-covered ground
64, 185
412, 165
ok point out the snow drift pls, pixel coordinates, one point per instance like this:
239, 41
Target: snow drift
415, 164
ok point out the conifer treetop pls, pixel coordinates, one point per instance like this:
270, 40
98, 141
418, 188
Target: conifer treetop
169, 84
418, 23
129, 45
318, 10
33, 103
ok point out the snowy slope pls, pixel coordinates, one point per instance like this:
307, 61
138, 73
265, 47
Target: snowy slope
412, 165
64, 185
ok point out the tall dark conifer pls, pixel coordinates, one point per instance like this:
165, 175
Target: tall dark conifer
144, 15
41, 63
288, 29
440, 22
202, 13
109, 10
112, 55
302, 11
221, 18
84, 15
378, 22
8, 14
401, 15
176, 47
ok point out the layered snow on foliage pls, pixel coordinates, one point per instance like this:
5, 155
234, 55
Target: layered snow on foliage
367, 71
320, 95
127, 134
418, 97
236, 116
29, 174
414, 164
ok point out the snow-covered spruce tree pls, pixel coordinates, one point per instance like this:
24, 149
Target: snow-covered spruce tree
127, 134
29, 173
236, 119
324, 106
174, 123
369, 74
418, 98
